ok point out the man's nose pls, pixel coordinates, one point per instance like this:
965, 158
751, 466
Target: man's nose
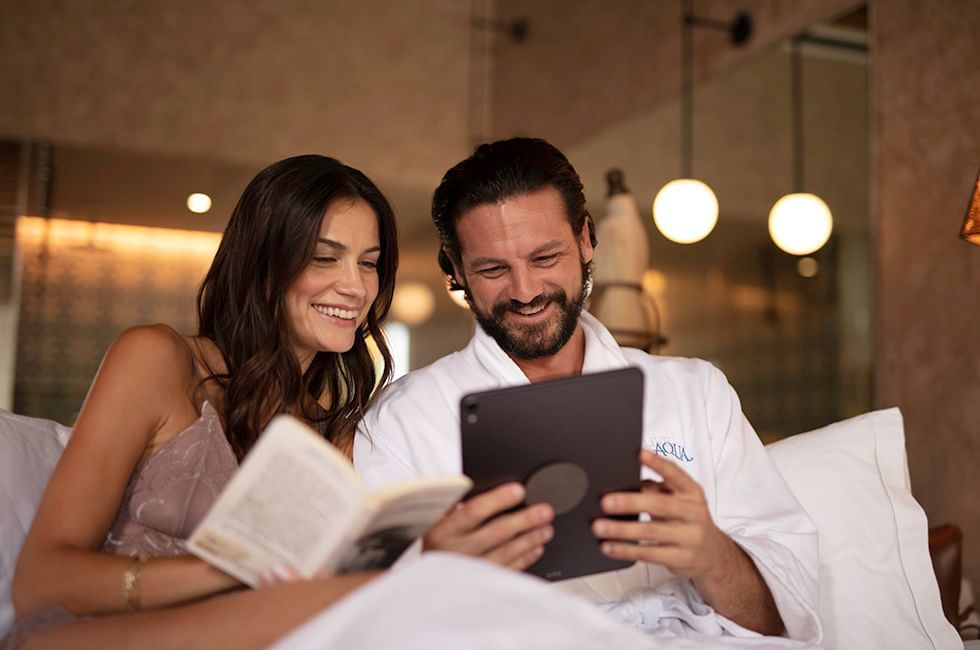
524, 286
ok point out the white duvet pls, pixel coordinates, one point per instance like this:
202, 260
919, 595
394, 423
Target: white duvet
450, 601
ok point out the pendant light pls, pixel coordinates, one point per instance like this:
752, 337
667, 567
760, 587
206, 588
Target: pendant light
685, 210
800, 222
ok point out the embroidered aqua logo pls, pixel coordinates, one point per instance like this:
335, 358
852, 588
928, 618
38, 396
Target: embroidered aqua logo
673, 450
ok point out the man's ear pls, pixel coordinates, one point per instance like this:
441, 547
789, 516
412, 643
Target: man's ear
455, 265
585, 247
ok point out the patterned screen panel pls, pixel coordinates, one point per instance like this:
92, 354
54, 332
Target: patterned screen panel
83, 284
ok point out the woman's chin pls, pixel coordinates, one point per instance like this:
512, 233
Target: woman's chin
337, 344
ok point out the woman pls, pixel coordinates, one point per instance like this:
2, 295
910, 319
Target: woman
303, 275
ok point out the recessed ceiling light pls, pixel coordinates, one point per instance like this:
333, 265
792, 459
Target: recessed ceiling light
198, 203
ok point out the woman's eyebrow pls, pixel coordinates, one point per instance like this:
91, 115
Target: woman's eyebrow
343, 247
331, 243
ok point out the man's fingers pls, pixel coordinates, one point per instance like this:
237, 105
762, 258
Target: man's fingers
472, 513
655, 486
675, 478
675, 558
466, 529
524, 561
656, 504
670, 534
517, 551
508, 527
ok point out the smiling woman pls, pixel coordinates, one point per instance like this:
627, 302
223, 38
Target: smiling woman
332, 295
301, 281
298, 233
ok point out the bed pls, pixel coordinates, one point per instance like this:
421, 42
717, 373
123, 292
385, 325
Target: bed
878, 589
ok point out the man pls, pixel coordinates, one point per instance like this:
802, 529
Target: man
725, 549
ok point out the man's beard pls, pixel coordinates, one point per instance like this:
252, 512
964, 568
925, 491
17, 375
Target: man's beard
539, 340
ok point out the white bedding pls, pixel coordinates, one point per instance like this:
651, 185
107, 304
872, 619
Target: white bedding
878, 591
448, 601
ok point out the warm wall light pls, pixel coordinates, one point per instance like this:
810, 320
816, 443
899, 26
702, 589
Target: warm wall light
198, 203
116, 237
800, 223
971, 224
655, 282
413, 303
685, 210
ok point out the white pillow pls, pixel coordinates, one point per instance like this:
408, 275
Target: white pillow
877, 585
29, 450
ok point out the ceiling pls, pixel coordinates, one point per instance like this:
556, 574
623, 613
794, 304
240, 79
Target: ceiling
147, 102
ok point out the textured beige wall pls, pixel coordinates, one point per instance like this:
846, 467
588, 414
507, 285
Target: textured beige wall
592, 63
926, 106
382, 85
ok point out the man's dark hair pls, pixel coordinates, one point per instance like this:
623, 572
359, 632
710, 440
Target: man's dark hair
498, 171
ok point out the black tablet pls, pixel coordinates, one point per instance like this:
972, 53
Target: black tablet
569, 441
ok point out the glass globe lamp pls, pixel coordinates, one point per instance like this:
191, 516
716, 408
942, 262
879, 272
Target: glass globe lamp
685, 210
800, 223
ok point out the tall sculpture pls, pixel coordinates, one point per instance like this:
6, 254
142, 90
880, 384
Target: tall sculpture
618, 298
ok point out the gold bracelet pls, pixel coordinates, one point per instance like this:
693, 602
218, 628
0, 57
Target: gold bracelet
131, 583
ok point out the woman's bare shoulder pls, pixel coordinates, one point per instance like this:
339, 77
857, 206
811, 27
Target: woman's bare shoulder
143, 391
155, 353
158, 334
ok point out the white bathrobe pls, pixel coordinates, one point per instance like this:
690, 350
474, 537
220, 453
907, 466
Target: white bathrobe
691, 416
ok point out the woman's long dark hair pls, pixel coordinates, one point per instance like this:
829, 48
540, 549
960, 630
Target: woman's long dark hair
269, 240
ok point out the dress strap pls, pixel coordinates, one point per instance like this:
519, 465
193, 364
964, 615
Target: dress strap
200, 393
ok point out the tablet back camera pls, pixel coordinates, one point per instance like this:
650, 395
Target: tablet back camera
470, 408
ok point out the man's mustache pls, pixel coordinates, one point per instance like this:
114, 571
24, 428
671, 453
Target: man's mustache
541, 300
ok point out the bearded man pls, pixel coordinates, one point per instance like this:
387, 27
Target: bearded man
722, 548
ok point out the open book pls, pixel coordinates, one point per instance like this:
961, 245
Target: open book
296, 502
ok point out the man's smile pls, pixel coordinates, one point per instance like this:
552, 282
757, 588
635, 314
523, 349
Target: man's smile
530, 311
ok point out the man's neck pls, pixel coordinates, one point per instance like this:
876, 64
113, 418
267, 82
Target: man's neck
567, 361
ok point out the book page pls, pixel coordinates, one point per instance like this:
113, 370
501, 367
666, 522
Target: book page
405, 512
294, 499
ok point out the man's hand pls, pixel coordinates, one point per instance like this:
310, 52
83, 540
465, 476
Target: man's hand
515, 540
682, 537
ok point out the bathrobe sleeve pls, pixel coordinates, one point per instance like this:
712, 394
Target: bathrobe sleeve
755, 507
